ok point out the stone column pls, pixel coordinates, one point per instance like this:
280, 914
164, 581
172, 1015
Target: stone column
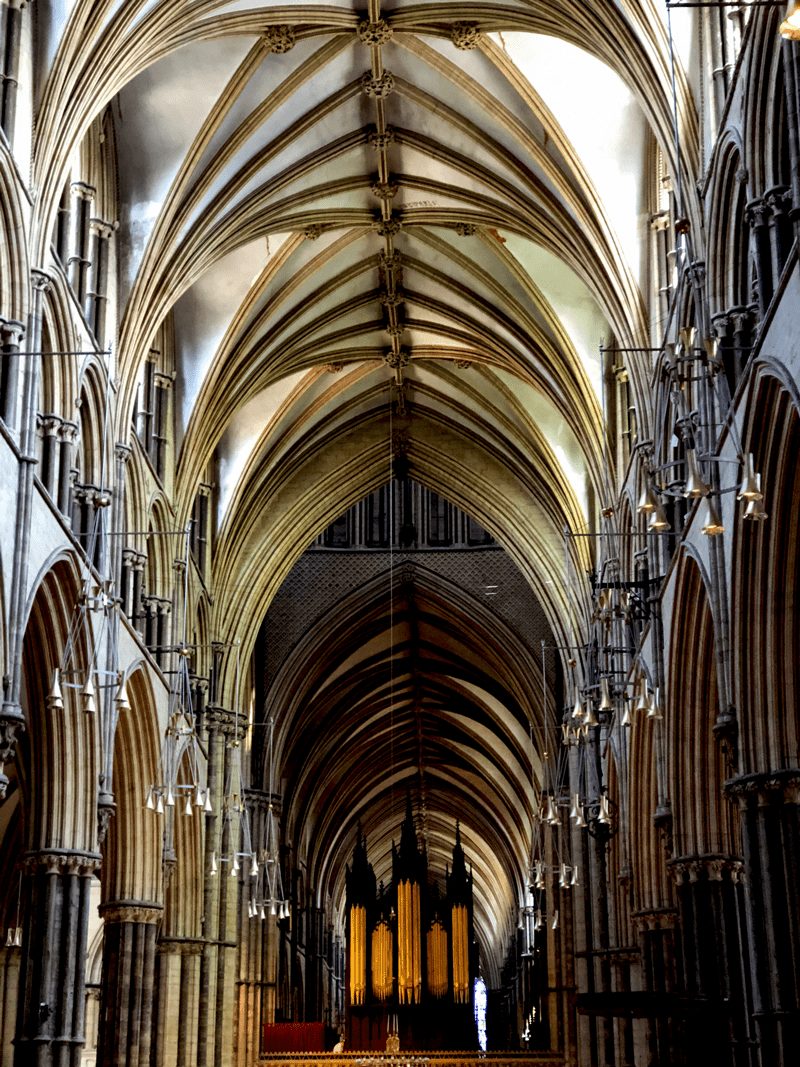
50, 1020
791, 68
757, 216
255, 942
12, 334
67, 440
175, 1032
657, 934
9, 986
100, 233
12, 30
49, 426
779, 202
78, 261
770, 809
218, 966
713, 955
128, 983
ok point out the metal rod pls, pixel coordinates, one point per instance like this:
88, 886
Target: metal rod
644, 533
90, 352
676, 5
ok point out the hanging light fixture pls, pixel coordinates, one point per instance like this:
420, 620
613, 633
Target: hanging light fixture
654, 711
644, 699
658, 520
647, 501
755, 508
695, 485
750, 488
712, 523
267, 891
606, 701
686, 337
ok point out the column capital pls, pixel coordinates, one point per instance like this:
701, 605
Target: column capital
102, 228
40, 280
708, 868
62, 861
769, 787
83, 190
122, 451
49, 423
131, 911
757, 212
655, 919
12, 333
224, 721
68, 432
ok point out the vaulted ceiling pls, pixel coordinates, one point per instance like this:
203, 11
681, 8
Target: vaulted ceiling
406, 226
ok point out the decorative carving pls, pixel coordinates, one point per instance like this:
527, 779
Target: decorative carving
399, 442
334, 368
466, 229
463, 364
122, 452
11, 334
49, 424
278, 39
311, 233
465, 35
777, 786
131, 911
378, 140
224, 721
390, 260
378, 87
389, 227
12, 723
105, 813
62, 861
391, 300
374, 33
384, 190
395, 329
398, 359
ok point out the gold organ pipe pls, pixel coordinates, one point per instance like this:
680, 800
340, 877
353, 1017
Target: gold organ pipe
358, 954
437, 960
460, 955
382, 962
409, 946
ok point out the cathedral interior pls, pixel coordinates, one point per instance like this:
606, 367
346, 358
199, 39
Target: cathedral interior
400, 533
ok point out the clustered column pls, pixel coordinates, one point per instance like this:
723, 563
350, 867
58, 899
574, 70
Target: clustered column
713, 948
50, 1025
128, 983
770, 809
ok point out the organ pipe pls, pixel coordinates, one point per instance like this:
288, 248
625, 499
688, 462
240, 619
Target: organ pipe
358, 954
460, 927
437, 960
382, 974
409, 948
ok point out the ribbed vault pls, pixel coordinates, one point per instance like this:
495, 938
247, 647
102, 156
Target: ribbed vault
412, 684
